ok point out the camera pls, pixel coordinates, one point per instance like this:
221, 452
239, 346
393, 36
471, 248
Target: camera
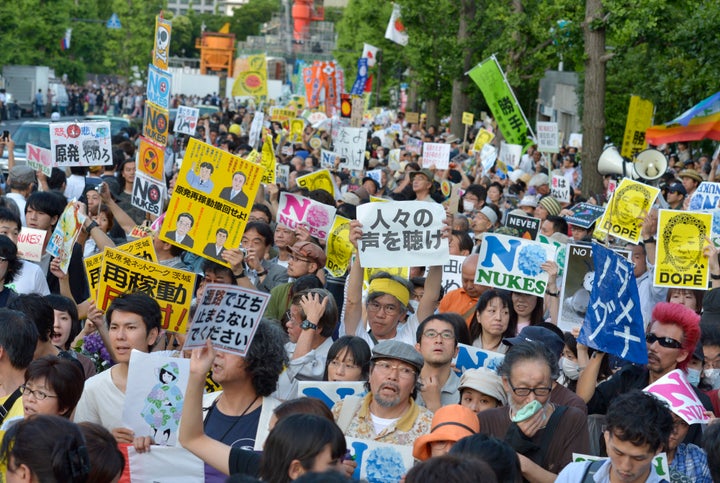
6, 136
243, 251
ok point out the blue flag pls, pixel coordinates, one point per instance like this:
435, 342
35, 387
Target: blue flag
613, 321
362, 71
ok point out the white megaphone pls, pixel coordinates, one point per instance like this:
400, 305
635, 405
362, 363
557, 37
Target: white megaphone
650, 164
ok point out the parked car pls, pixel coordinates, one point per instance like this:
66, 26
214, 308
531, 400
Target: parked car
33, 132
116, 123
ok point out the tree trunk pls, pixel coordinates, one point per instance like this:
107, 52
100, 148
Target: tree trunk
460, 100
431, 110
594, 97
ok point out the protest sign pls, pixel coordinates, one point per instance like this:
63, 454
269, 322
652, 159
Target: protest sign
65, 233
471, 357
267, 160
483, 137
350, 144
155, 394
156, 123
161, 46
80, 143
30, 243
158, 87
511, 263
256, 129
141, 248
295, 209
282, 174
510, 154
468, 118
639, 118
327, 159
660, 464
339, 250
186, 120
527, 226
578, 279
330, 392
627, 209
414, 146
584, 215
252, 74
164, 464
228, 315
317, 180
487, 157
452, 273
357, 111
613, 322
548, 140
436, 155
280, 114
379, 462
560, 188
196, 211
575, 140
39, 158
402, 234
149, 194
674, 389
151, 159
412, 117
679, 259
706, 197
172, 288
296, 130
394, 160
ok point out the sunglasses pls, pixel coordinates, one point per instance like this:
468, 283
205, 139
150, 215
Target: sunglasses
667, 342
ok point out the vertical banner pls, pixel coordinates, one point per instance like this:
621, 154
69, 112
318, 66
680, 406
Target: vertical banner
639, 118
359, 85
161, 47
510, 118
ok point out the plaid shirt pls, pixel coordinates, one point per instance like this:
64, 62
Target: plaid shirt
691, 461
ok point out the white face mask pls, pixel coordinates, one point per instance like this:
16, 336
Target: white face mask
468, 206
570, 369
693, 376
712, 377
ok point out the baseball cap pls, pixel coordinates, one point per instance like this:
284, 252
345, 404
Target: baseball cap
538, 334
310, 251
394, 349
677, 188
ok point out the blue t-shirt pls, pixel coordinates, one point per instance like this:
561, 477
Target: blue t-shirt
235, 431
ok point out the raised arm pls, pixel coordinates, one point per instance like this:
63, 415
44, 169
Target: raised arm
353, 298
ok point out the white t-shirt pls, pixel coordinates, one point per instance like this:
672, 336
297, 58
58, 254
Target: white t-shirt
30, 279
379, 424
101, 402
406, 331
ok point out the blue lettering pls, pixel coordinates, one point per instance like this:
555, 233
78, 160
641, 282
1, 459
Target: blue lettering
497, 248
358, 448
318, 394
469, 360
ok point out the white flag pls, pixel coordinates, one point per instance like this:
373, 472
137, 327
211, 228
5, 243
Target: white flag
396, 30
370, 53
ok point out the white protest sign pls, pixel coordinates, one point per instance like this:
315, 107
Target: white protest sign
575, 140
488, 155
80, 143
470, 357
706, 197
548, 140
560, 188
674, 389
155, 395
256, 129
186, 120
330, 392
327, 159
39, 158
511, 263
350, 144
402, 234
149, 194
577, 284
30, 244
394, 159
510, 154
414, 145
282, 174
436, 155
379, 462
452, 273
227, 315
165, 464
294, 210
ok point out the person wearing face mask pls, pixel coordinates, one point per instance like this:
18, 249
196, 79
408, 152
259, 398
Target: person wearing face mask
569, 363
693, 372
710, 341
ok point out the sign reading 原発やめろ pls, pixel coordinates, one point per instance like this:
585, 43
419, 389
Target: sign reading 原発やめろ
80, 144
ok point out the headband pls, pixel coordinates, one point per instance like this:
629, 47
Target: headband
390, 287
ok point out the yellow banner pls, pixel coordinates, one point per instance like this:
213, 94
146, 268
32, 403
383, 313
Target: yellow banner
170, 287
214, 190
319, 180
155, 125
161, 46
640, 115
339, 249
679, 259
468, 118
251, 77
151, 158
626, 210
268, 159
141, 248
483, 137
280, 114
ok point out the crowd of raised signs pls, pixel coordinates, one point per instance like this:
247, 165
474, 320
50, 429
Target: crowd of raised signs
507, 359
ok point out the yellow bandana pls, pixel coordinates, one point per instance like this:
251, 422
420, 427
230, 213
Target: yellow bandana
390, 287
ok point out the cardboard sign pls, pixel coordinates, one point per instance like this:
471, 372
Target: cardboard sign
350, 144
228, 315
141, 248
511, 263
161, 46
412, 117
627, 209
295, 209
39, 158
584, 215
151, 159
156, 123
156, 386
402, 234
471, 357
186, 120
526, 225
158, 87
338, 249
679, 258
560, 188
65, 233
330, 392
436, 155
149, 194
80, 143
379, 462
170, 287
674, 389
706, 197
548, 139
468, 118
318, 180
30, 244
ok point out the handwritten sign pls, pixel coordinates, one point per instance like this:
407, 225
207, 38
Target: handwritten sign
471, 357
228, 316
330, 392
186, 120
706, 197
402, 234
560, 188
30, 244
674, 389
379, 462
679, 259
39, 158
350, 144
627, 209
80, 143
436, 155
510, 154
527, 226
295, 209
548, 139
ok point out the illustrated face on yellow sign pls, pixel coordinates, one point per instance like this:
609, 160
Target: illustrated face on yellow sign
627, 209
319, 180
483, 137
268, 159
679, 258
339, 248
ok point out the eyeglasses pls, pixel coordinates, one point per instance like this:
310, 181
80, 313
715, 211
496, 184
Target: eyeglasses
667, 342
445, 334
525, 391
39, 395
404, 371
335, 364
3, 259
389, 309
289, 316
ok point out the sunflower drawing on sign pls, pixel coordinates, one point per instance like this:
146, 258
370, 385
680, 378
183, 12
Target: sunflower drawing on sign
252, 77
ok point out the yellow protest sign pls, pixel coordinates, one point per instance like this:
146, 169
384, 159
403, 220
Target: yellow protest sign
251, 77
141, 248
151, 158
155, 125
679, 259
280, 114
161, 47
627, 209
374, 199
214, 193
296, 130
170, 287
319, 180
468, 118
483, 137
267, 160
639, 118
339, 249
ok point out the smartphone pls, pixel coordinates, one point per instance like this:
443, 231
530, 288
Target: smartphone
6, 135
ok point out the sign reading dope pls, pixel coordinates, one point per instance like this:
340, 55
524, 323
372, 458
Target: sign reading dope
294, 210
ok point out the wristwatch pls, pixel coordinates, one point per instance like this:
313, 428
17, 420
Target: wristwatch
306, 324
93, 224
